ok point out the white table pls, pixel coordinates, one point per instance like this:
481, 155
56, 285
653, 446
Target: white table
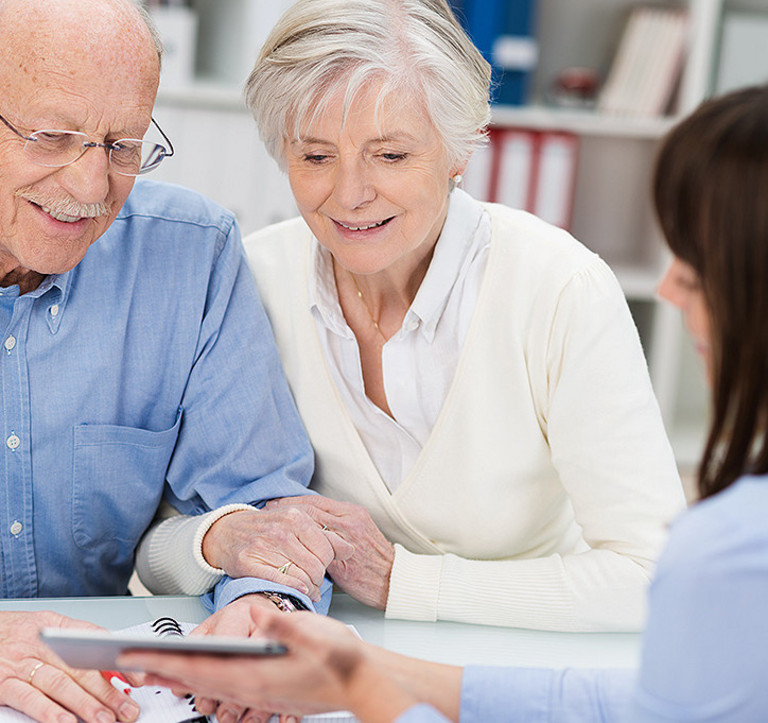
443, 642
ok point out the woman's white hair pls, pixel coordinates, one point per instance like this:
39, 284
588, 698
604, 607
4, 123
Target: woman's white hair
320, 47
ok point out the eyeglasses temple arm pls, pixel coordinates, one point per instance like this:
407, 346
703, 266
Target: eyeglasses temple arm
165, 138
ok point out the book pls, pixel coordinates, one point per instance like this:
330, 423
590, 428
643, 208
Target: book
517, 159
556, 178
647, 64
504, 32
533, 170
478, 173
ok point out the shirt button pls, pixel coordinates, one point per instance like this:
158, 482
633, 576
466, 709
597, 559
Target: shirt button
16, 528
54, 310
12, 442
9, 343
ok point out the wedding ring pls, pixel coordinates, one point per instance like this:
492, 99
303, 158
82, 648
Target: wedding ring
284, 568
34, 670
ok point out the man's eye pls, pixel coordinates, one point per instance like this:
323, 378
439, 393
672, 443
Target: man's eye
52, 139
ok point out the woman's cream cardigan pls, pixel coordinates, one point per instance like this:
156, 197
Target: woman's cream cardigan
542, 497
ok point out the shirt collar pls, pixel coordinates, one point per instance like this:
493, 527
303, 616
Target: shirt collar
55, 291
451, 251
323, 296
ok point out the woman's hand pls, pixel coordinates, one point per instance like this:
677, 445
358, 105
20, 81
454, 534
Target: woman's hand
284, 545
35, 681
327, 667
365, 573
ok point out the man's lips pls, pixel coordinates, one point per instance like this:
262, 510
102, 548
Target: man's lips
59, 216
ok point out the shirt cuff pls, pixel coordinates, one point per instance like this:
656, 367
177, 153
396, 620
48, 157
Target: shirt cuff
414, 586
229, 589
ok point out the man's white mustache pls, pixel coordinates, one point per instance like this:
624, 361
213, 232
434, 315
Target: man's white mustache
64, 207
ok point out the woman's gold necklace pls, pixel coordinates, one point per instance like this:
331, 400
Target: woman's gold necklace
367, 308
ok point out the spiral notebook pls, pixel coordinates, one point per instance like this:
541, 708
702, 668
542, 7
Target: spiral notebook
160, 705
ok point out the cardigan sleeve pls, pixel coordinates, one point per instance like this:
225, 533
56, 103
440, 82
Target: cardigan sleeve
603, 426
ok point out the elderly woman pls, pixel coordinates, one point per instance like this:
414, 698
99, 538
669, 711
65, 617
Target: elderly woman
470, 377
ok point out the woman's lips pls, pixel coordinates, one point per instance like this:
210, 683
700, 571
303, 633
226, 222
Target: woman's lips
362, 226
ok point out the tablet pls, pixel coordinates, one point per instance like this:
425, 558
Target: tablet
99, 649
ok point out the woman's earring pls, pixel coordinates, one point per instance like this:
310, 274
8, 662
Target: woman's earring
455, 181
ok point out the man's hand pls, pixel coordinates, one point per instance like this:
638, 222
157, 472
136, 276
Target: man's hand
234, 620
365, 573
283, 545
35, 681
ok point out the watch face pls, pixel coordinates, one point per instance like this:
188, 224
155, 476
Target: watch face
283, 602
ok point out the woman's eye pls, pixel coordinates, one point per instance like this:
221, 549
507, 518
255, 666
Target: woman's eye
315, 157
393, 156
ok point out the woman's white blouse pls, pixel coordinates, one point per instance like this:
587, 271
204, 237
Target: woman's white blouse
419, 361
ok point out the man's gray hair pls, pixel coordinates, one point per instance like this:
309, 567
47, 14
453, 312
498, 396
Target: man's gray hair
150, 23
320, 47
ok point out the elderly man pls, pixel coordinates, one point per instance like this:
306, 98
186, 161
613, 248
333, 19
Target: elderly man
136, 363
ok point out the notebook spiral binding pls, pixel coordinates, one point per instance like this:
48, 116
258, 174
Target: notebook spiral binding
166, 626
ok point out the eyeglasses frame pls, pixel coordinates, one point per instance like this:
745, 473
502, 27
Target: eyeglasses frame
93, 144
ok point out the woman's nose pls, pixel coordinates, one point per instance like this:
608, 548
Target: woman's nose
353, 186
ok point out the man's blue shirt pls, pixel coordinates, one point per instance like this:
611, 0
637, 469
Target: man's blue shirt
148, 371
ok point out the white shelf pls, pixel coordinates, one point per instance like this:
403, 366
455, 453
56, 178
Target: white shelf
581, 122
203, 94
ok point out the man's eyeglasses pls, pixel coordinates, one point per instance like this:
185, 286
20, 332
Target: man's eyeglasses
127, 156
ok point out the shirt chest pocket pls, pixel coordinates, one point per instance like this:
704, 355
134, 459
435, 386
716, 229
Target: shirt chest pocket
118, 477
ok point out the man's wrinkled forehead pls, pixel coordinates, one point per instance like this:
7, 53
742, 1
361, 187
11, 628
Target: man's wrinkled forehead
34, 33
78, 44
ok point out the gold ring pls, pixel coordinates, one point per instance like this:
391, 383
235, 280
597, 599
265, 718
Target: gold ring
284, 568
34, 670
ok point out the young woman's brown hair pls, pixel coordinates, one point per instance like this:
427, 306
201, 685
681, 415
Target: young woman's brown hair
711, 197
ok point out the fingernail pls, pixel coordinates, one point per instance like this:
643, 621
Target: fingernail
205, 706
226, 716
104, 716
128, 711
67, 718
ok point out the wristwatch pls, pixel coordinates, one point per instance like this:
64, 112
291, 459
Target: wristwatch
286, 603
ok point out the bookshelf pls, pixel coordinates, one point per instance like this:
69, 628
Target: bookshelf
612, 212
219, 153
